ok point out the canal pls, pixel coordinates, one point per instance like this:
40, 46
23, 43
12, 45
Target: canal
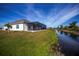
69, 43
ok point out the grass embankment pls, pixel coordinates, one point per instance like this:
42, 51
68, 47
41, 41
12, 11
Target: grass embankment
27, 43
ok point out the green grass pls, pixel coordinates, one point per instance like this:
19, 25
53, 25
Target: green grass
15, 43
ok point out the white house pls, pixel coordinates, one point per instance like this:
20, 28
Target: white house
25, 25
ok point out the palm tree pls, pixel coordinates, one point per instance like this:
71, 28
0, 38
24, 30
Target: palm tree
73, 25
8, 26
61, 27
65, 27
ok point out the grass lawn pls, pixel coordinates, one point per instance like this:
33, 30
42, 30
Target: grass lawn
27, 43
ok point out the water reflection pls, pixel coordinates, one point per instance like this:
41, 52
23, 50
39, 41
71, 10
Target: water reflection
66, 33
69, 43
61, 32
73, 36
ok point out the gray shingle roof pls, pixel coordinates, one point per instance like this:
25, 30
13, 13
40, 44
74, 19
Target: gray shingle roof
22, 21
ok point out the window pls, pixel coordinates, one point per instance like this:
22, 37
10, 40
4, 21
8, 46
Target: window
17, 26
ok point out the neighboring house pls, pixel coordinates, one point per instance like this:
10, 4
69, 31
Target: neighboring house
25, 25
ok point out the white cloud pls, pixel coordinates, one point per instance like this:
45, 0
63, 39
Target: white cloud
54, 18
73, 12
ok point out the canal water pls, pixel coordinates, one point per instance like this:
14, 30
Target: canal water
69, 43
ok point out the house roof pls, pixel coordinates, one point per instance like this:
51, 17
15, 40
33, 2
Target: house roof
36, 23
22, 21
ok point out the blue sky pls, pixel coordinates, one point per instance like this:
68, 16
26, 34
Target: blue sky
52, 15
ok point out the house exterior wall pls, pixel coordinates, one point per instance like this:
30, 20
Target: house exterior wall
17, 29
25, 27
22, 27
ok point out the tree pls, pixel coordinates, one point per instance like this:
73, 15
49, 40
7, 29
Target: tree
73, 25
65, 27
8, 26
58, 27
61, 27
